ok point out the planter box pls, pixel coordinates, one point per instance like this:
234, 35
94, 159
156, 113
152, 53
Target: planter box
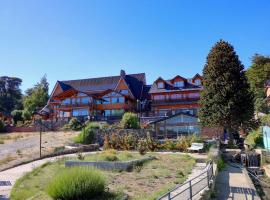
107, 165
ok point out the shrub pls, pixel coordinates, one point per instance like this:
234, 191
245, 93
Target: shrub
220, 164
182, 143
2, 126
114, 141
110, 155
77, 183
26, 115
142, 147
17, 116
130, 120
106, 144
129, 142
194, 138
152, 145
87, 135
255, 139
169, 145
74, 124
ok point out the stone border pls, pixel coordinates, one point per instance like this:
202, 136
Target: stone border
107, 165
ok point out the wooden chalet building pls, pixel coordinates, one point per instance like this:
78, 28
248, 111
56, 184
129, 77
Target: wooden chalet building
177, 95
98, 98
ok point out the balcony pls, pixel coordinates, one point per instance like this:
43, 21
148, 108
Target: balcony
175, 101
74, 105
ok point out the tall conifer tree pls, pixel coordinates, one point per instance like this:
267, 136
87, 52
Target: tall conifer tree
226, 100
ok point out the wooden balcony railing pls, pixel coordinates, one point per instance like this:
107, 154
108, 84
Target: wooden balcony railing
170, 101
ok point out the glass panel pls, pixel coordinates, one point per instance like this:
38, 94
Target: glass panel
79, 112
107, 113
179, 84
160, 85
124, 91
66, 101
85, 100
106, 100
118, 112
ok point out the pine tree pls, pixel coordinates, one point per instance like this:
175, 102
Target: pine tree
226, 100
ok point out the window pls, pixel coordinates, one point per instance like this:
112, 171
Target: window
179, 83
198, 82
124, 91
107, 113
73, 101
194, 95
81, 94
117, 112
85, 100
79, 112
159, 97
66, 101
176, 96
106, 100
160, 85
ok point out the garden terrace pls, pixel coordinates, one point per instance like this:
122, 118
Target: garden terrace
148, 181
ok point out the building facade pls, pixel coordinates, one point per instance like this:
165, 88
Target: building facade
98, 98
177, 95
109, 97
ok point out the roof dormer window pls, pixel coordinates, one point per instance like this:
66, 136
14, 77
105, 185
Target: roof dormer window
160, 85
198, 82
179, 84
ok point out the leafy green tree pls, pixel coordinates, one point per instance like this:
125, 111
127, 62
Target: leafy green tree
37, 96
10, 94
258, 74
226, 100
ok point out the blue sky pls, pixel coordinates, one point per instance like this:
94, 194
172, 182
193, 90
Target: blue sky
72, 39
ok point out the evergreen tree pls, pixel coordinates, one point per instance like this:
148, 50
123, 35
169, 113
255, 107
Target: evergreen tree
226, 100
37, 96
10, 94
258, 74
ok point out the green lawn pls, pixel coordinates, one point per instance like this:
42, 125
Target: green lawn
143, 183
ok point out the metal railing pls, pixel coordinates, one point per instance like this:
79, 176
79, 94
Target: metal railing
189, 189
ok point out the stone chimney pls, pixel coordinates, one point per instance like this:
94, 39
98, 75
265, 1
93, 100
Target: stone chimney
122, 73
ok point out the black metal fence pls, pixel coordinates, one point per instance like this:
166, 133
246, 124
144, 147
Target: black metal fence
189, 189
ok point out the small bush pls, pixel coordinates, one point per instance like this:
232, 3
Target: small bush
74, 124
110, 155
106, 144
130, 120
77, 183
129, 142
220, 164
182, 143
17, 116
142, 147
169, 145
87, 135
152, 144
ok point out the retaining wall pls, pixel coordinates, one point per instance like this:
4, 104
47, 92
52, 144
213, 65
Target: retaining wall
107, 165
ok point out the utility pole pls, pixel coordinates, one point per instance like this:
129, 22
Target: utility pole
40, 140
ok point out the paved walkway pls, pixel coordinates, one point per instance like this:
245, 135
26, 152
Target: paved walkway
234, 184
10, 176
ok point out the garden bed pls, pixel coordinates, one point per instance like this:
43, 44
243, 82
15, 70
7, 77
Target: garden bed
145, 182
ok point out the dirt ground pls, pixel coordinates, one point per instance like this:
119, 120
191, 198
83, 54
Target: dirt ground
20, 147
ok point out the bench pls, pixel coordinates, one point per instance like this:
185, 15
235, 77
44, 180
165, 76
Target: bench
196, 147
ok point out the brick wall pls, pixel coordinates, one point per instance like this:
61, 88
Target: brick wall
211, 132
21, 129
